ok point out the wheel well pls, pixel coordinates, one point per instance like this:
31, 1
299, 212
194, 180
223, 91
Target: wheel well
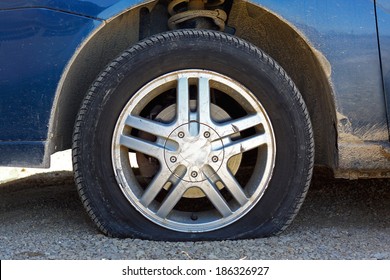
306, 66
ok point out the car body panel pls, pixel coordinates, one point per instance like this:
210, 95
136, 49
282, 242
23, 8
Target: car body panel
35, 47
344, 32
99, 9
383, 13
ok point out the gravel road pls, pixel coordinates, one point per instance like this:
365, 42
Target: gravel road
42, 218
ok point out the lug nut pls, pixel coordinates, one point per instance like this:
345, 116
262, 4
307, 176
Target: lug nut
206, 134
214, 158
180, 134
194, 174
173, 159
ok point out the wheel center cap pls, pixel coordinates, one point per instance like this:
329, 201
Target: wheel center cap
195, 147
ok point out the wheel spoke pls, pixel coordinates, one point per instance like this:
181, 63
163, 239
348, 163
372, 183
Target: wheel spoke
174, 195
241, 146
158, 182
203, 111
142, 146
152, 127
183, 104
213, 194
238, 125
232, 185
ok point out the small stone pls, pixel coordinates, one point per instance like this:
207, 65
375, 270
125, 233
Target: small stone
140, 254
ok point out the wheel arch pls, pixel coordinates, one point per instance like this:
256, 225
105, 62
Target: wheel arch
307, 67
110, 39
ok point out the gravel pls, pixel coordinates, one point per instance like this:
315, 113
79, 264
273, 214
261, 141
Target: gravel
42, 218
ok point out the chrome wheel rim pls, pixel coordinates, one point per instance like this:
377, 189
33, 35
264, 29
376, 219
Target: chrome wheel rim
197, 151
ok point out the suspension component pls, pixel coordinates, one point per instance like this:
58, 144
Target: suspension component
197, 12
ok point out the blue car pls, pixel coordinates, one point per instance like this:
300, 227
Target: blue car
196, 119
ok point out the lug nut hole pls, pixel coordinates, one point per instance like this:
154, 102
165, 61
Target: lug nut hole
194, 217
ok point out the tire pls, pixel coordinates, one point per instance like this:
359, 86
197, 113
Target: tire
150, 163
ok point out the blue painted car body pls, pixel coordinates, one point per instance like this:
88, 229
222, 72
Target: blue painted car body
383, 11
40, 40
